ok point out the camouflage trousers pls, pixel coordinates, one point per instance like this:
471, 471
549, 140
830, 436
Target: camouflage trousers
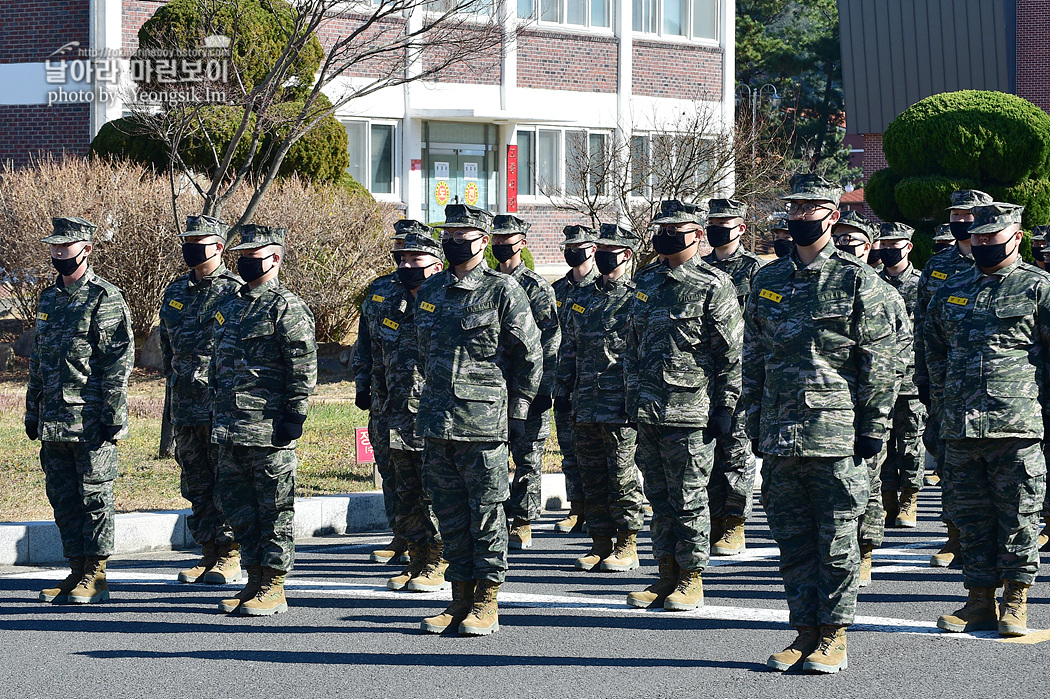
379, 436
999, 487
79, 481
732, 485
415, 517
905, 463
936, 446
1046, 500
256, 488
871, 526
525, 497
197, 458
676, 467
813, 505
468, 486
611, 492
564, 425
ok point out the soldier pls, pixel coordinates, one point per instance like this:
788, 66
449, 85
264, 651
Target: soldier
733, 477
483, 369
1039, 241
263, 370
187, 320
591, 387
819, 340
783, 244
987, 339
371, 393
937, 270
683, 383
403, 379
943, 238
509, 235
76, 405
579, 255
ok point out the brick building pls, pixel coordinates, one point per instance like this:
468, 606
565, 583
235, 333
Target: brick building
582, 70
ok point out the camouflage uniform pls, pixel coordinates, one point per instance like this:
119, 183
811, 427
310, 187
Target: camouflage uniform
987, 339
76, 402
263, 370
819, 353
187, 315
483, 366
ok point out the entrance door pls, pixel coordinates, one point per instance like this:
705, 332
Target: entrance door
456, 176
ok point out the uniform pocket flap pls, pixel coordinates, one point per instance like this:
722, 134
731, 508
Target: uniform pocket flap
684, 311
833, 307
260, 329
611, 381
1015, 310
685, 378
998, 388
479, 320
829, 400
248, 401
477, 392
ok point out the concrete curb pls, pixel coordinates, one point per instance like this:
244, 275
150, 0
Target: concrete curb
38, 543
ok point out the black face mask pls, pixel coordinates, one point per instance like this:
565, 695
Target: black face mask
194, 254
960, 230
411, 277
987, 256
503, 251
574, 257
855, 250
783, 247
458, 253
606, 261
719, 236
892, 257
67, 267
806, 232
251, 268
667, 244
941, 245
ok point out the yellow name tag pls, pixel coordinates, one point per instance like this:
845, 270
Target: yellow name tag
175, 304
578, 308
377, 298
958, 300
772, 296
644, 298
390, 324
559, 304
428, 307
41, 316
219, 319
939, 275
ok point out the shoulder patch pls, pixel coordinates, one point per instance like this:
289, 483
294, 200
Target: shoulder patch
219, 319
643, 297
177, 305
958, 300
771, 295
938, 275
428, 307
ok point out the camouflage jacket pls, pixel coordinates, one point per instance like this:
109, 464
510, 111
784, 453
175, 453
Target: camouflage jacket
81, 359
591, 367
264, 365
939, 268
483, 359
565, 287
403, 375
367, 367
683, 346
545, 312
820, 356
741, 266
987, 344
904, 357
907, 285
187, 321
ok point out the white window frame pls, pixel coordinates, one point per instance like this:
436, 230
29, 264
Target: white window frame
395, 167
687, 20
564, 25
648, 135
539, 197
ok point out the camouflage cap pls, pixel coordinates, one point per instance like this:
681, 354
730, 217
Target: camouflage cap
509, 224
726, 208
779, 223
254, 236
417, 241
943, 234
967, 199
862, 223
895, 231
578, 234
813, 187
994, 217
466, 216
205, 225
70, 229
674, 211
407, 225
618, 236
1040, 233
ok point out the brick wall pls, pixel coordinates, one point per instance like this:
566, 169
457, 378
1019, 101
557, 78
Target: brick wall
677, 70
31, 29
1033, 52
479, 68
332, 31
134, 14
41, 130
562, 61
545, 236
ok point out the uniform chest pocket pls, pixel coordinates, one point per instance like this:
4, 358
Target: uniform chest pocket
687, 326
1014, 324
831, 322
256, 337
481, 333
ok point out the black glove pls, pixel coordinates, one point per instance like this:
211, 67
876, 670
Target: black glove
924, 394
288, 428
540, 405
32, 429
363, 400
563, 404
516, 428
867, 447
109, 432
719, 424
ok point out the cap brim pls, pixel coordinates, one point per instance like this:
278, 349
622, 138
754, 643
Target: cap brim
250, 246
988, 228
435, 253
806, 196
894, 237
674, 219
962, 208
578, 240
58, 239
459, 225
201, 234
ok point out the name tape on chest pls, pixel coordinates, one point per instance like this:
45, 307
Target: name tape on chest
219, 319
428, 307
958, 300
578, 308
771, 295
938, 275
41, 316
559, 304
378, 299
177, 305
644, 298
390, 324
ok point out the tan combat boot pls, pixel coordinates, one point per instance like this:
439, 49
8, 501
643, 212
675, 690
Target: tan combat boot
432, 577
209, 555
805, 643
830, 654
457, 611
978, 614
950, 552
718, 530
249, 591
484, 614
865, 564
1013, 611
574, 522
270, 598
655, 594
932, 479
60, 593
732, 541
521, 534
396, 549
1044, 537
909, 509
227, 568
417, 560
624, 555
891, 504
688, 594
93, 586
601, 548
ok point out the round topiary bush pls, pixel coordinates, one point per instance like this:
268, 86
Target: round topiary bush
922, 197
880, 195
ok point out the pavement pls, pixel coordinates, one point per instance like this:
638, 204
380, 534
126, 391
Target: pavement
562, 633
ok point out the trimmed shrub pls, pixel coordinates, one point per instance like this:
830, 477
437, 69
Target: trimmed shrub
922, 197
880, 196
1034, 195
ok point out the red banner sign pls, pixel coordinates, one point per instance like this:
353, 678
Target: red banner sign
365, 455
512, 179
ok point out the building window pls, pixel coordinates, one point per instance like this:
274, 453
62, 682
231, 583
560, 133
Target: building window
579, 13
693, 19
563, 161
372, 150
526, 163
548, 159
640, 166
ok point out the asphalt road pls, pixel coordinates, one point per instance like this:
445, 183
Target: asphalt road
563, 633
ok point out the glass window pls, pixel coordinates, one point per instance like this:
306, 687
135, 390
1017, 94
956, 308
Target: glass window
596, 157
357, 149
526, 8
382, 159
526, 163
644, 15
550, 10
639, 165
673, 17
576, 162
600, 13
548, 157
705, 19
576, 12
